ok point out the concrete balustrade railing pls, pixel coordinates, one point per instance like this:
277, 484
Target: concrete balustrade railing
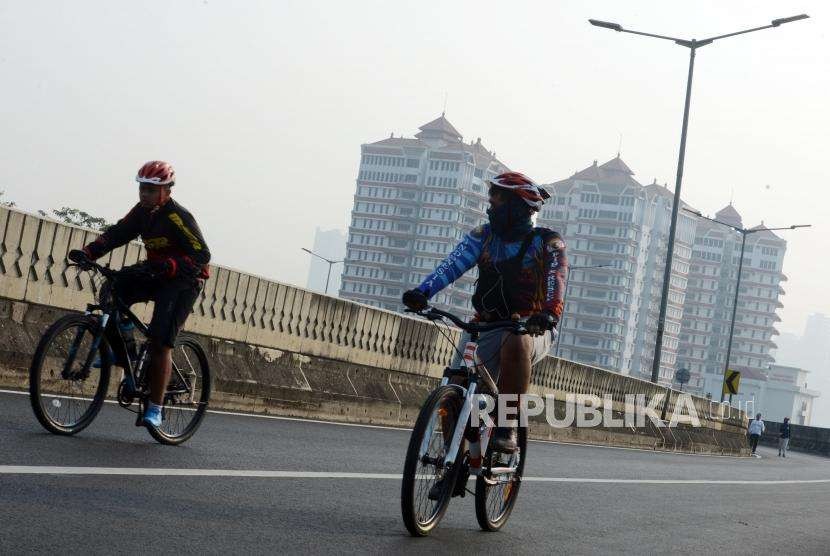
255, 324
233, 305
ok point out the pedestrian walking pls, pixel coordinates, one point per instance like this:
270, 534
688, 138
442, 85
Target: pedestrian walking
756, 429
784, 438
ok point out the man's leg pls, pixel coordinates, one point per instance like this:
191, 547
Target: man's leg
514, 379
173, 303
161, 367
515, 364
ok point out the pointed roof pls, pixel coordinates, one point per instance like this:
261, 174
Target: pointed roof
662, 191
617, 165
615, 172
730, 216
439, 128
400, 142
766, 232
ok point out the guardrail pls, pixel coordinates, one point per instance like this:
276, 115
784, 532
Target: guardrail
802, 438
242, 309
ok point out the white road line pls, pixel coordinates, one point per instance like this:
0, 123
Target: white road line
672, 481
255, 473
164, 472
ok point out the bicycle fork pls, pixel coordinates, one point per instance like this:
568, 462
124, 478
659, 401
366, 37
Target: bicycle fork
458, 432
66, 373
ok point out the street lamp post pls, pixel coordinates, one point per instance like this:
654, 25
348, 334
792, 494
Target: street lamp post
744, 232
565, 297
692, 45
331, 262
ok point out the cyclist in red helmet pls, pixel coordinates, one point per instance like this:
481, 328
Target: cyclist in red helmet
171, 277
521, 276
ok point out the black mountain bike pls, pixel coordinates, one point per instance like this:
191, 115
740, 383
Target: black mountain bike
70, 373
445, 448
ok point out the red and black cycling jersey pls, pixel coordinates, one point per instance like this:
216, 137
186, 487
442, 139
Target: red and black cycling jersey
168, 232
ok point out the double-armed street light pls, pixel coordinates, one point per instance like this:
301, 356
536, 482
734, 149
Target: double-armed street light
744, 232
331, 263
692, 45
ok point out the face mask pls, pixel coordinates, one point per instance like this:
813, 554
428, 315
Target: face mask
510, 220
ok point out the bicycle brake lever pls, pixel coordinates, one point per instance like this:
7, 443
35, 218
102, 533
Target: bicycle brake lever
426, 313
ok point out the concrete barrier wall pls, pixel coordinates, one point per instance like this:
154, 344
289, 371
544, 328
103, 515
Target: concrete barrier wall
803, 439
280, 348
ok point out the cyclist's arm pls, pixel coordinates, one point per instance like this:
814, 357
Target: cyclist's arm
120, 233
556, 268
463, 258
189, 237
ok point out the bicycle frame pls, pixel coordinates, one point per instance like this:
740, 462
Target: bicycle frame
115, 309
474, 370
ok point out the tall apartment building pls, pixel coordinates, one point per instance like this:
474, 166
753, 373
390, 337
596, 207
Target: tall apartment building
415, 199
616, 231
710, 297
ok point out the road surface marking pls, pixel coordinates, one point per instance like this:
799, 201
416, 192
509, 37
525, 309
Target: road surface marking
169, 472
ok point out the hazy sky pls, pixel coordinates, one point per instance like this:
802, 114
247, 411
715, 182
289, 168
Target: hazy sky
262, 107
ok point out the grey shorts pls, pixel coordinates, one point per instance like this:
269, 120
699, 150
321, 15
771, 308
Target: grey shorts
489, 349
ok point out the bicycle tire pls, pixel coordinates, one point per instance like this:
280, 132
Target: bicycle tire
37, 396
450, 397
174, 439
494, 523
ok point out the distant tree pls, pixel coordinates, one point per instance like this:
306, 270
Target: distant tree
78, 217
6, 203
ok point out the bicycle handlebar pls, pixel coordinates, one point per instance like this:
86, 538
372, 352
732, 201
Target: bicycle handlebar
433, 313
104, 270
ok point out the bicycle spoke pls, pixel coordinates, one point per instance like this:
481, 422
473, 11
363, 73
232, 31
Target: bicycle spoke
429, 474
183, 403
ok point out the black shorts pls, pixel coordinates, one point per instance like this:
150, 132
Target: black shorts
173, 301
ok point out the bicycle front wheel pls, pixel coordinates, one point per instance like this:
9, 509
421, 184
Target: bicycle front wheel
188, 393
428, 483
496, 494
69, 374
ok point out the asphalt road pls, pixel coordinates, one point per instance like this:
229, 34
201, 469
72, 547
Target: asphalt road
594, 500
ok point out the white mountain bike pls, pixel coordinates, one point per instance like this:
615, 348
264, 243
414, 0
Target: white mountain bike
445, 448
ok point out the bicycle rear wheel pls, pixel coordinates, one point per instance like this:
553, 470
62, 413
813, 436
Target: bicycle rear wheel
424, 473
496, 495
188, 393
66, 389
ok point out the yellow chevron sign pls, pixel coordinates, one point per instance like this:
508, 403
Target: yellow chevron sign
731, 382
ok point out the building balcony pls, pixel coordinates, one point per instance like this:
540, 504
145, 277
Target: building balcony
760, 312
593, 333
592, 349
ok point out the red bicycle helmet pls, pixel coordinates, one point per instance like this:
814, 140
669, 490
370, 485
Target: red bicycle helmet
156, 172
522, 186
